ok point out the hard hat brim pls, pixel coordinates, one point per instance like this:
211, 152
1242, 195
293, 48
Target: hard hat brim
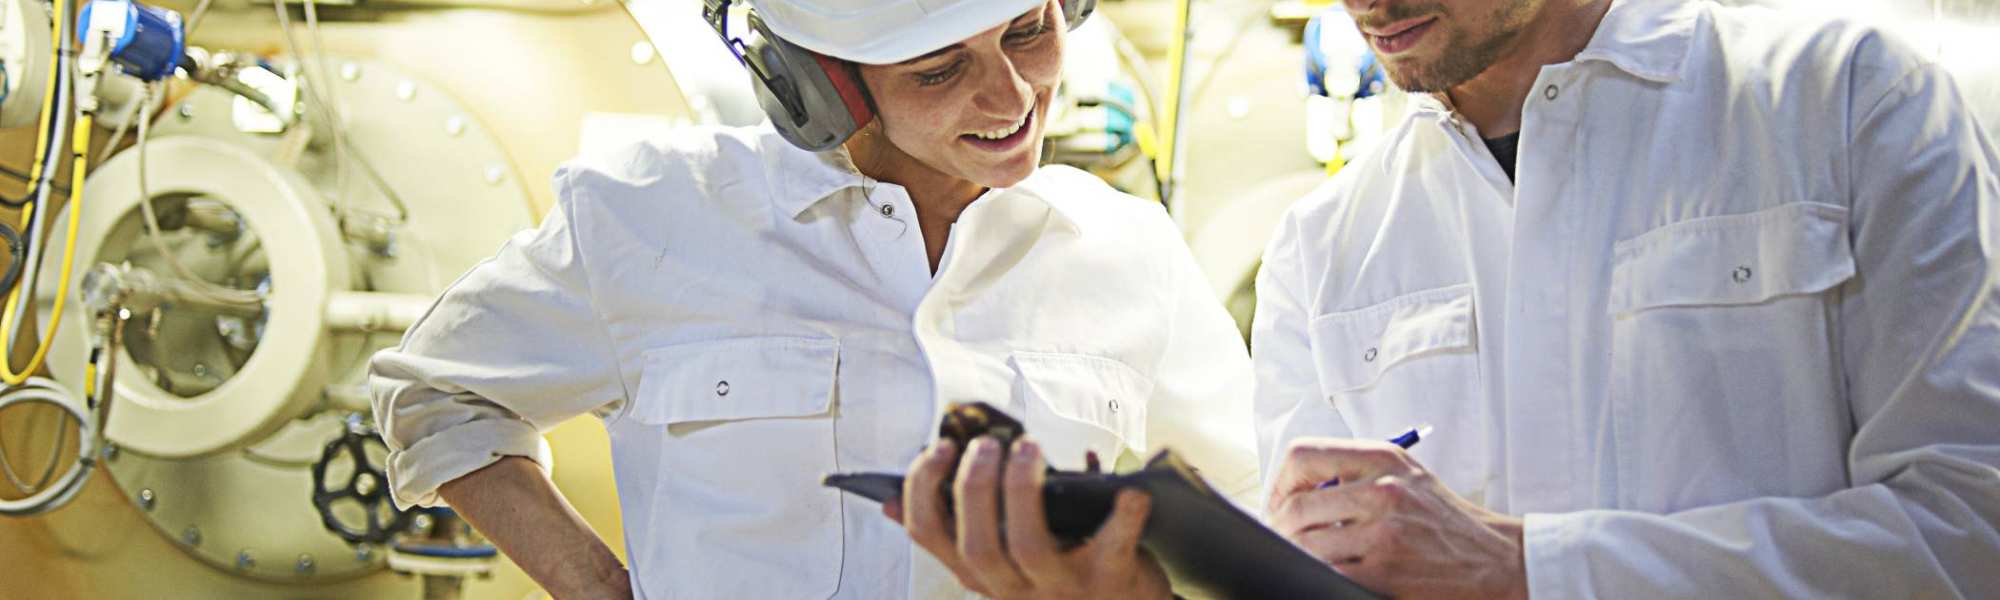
892, 33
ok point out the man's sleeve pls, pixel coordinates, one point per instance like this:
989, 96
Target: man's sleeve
1289, 404
1919, 342
511, 349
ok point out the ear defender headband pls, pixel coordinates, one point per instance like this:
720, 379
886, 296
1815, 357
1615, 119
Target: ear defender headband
815, 101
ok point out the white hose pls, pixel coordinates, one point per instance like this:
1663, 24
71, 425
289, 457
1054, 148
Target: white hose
41, 389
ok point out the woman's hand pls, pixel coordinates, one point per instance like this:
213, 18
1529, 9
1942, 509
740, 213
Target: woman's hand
1016, 556
518, 509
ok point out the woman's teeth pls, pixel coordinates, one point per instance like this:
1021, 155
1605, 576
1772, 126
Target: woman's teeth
1001, 134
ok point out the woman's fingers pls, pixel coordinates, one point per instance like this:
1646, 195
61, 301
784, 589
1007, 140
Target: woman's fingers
1117, 541
977, 497
923, 507
1028, 540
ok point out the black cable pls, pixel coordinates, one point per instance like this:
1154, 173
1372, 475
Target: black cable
52, 151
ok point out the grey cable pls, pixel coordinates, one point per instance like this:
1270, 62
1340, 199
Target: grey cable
37, 234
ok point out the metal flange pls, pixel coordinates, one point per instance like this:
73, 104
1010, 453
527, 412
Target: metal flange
287, 370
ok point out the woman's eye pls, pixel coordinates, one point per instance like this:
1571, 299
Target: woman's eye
938, 76
1028, 35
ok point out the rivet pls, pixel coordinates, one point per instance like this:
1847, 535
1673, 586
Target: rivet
406, 91
191, 536
350, 71
304, 566
454, 126
244, 560
146, 499
495, 174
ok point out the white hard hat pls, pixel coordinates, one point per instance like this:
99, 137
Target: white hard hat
880, 32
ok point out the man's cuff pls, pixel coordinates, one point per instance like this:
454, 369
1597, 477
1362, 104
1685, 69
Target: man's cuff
416, 472
1550, 555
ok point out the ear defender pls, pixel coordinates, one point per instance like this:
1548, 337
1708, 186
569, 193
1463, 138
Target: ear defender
815, 101
1076, 11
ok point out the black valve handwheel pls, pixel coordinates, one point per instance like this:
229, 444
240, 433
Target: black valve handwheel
367, 486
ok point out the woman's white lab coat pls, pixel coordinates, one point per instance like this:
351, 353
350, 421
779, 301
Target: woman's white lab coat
747, 317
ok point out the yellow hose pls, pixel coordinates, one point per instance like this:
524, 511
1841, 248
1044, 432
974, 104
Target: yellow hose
80, 146
1170, 138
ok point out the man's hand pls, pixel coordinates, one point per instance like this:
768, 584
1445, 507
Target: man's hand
1391, 526
1017, 557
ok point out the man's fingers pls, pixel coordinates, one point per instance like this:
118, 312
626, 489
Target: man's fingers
1311, 462
1028, 540
977, 497
1335, 545
1117, 540
1367, 573
1337, 506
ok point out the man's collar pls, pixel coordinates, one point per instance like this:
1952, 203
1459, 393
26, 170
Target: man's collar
1648, 39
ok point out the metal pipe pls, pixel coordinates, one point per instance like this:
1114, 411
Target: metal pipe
109, 286
375, 311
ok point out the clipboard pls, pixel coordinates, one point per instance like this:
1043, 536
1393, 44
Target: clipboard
1208, 547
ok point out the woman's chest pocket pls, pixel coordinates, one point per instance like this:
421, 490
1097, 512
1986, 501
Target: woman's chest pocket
1723, 375
1410, 361
745, 429
1073, 403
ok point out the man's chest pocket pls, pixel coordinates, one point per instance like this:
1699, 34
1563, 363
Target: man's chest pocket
1073, 403
1723, 374
1410, 361
746, 430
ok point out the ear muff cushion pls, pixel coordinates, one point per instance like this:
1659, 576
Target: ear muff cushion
847, 83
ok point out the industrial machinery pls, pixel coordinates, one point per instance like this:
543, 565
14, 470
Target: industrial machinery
235, 206
1349, 100
264, 196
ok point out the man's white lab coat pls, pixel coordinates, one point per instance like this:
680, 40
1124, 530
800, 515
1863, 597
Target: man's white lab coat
1734, 333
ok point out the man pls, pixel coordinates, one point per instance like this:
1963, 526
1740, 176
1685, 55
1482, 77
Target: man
1701, 301
1728, 328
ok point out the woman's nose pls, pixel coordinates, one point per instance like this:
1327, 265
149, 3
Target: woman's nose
1002, 92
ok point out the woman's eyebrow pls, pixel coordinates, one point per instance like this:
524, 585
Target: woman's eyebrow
933, 54
1024, 19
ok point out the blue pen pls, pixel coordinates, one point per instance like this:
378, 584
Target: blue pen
1405, 441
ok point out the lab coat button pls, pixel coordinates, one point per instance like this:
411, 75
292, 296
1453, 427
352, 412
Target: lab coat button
889, 210
1551, 92
1368, 355
1741, 275
1114, 405
722, 388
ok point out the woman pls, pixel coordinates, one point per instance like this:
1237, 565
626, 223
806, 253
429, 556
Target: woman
746, 316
